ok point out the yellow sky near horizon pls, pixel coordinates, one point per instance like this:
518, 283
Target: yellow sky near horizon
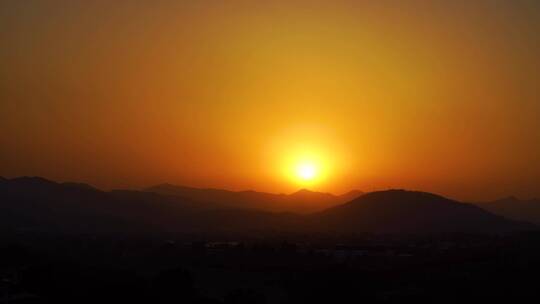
439, 96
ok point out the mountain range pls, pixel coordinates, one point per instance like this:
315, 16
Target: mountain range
302, 201
400, 211
33, 204
514, 208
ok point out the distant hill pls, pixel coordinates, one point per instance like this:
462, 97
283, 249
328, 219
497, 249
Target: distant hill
36, 204
400, 211
514, 208
32, 204
302, 201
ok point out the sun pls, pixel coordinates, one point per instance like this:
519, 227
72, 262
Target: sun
306, 171
303, 159
306, 168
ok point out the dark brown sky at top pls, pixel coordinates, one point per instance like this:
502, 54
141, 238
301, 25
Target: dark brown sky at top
440, 97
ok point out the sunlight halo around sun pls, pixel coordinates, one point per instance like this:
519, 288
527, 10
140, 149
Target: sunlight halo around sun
308, 156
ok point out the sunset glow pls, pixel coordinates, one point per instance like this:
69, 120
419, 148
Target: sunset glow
269, 151
431, 95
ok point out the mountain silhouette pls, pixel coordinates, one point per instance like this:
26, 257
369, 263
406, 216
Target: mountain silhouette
302, 201
514, 208
400, 211
31, 204
37, 204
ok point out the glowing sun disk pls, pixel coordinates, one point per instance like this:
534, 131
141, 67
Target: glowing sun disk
306, 171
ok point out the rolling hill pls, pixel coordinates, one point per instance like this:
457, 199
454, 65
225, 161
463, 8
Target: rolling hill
302, 201
400, 211
31, 204
37, 204
514, 208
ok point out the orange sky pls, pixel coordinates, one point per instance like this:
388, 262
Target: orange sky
440, 97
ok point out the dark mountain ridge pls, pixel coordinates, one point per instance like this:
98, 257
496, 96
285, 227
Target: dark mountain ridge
302, 201
37, 204
401, 211
40, 205
514, 208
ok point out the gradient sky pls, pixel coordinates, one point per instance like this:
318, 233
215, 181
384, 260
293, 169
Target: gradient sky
440, 96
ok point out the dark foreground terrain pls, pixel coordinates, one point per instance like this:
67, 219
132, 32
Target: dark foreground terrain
456, 268
72, 243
